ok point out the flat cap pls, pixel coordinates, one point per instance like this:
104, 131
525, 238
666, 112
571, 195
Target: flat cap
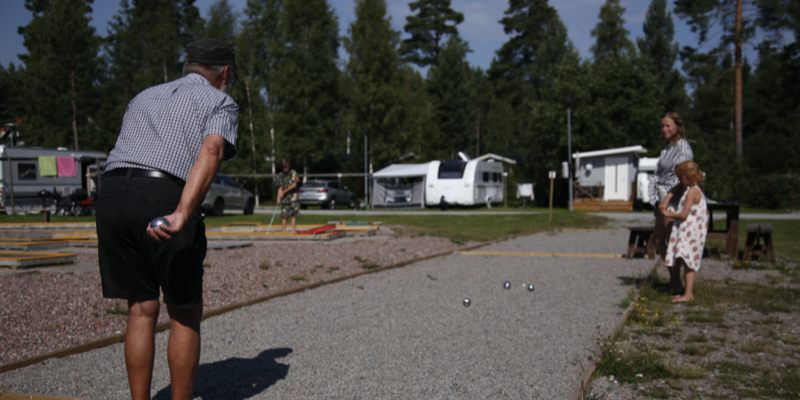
210, 52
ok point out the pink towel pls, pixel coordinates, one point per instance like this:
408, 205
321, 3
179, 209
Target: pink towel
66, 166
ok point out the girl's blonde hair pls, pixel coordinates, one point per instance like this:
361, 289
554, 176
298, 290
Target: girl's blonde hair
691, 170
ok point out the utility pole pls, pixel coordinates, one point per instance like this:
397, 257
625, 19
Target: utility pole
366, 171
738, 77
348, 142
272, 137
569, 148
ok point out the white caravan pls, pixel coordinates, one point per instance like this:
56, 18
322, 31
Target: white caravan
442, 184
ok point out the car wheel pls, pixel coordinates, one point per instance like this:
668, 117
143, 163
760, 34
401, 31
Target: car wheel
219, 207
250, 206
332, 204
353, 203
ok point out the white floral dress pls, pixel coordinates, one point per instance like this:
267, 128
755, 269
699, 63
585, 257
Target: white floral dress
689, 237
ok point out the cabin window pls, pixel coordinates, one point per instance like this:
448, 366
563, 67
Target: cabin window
495, 176
26, 171
452, 170
485, 176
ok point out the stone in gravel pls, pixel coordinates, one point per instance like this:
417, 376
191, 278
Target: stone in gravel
507, 285
467, 302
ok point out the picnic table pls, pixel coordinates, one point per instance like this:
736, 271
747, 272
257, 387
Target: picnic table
731, 231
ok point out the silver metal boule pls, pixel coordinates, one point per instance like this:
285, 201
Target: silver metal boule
531, 287
506, 285
157, 222
467, 302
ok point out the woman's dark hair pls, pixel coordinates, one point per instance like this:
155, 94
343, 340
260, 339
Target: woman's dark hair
675, 117
285, 162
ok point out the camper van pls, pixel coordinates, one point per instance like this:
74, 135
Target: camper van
464, 183
440, 183
34, 178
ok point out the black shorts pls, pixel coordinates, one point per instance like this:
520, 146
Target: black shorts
132, 265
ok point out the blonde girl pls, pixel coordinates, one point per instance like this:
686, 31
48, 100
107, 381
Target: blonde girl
685, 246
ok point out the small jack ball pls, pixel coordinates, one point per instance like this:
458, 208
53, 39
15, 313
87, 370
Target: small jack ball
157, 222
506, 285
531, 287
467, 302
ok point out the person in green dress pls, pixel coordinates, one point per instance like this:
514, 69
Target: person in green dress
288, 188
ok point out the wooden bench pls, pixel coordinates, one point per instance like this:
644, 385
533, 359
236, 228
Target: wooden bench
731, 231
639, 242
756, 232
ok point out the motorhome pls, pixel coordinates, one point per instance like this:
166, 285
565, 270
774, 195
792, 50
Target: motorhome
34, 178
440, 183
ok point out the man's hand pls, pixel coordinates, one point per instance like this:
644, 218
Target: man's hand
200, 177
165, 233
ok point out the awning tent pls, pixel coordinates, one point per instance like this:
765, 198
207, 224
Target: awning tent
399, 185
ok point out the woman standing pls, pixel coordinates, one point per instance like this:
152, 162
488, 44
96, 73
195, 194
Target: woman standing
676, 151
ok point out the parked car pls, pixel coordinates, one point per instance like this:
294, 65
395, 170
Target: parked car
227, 194
326, 193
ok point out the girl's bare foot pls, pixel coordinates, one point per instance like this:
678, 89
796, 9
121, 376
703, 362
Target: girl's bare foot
682, 299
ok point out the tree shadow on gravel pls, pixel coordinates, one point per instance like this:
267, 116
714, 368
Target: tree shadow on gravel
236, 378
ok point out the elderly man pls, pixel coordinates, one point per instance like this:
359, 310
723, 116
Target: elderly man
173, 139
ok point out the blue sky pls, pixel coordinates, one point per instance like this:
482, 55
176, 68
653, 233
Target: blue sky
480, 28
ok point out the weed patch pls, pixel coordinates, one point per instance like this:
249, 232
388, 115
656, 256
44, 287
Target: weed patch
698, 350
264, 266
298, 278
116, 310
757, 346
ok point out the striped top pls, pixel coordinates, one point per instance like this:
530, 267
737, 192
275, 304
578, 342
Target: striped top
665, 176
164, 126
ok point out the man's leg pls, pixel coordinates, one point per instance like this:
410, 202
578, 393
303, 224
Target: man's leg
283, 224
183, 349
294, 223
140, 346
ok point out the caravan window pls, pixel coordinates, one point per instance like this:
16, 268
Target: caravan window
495, 176
26, 171
485, 176
452, 170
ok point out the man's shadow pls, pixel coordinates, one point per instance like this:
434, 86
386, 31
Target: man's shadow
236, 378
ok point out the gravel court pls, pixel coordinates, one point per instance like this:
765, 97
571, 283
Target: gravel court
400, 333
579, 242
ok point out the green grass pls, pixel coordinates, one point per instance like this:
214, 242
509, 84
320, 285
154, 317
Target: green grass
457, 228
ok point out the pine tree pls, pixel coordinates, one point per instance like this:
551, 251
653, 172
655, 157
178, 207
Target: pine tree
304, 87
374, 71
612, 37
533, 72
736, 30
144, 47
61, 66
527, 22
221, 22
449, 87
433, 22
660, 52
10, 94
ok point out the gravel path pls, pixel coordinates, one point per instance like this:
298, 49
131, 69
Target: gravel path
402, 333
45, 311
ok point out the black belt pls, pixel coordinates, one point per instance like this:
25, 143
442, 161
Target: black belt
142, 173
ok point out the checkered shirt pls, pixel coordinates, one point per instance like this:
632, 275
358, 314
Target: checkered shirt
164, 126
